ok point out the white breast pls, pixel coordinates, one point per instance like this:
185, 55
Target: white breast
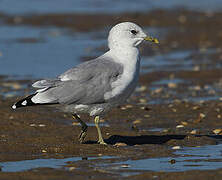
124, 86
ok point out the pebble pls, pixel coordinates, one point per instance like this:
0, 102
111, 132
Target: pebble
44, 151
129, 106
141, 89
32, 125
193, 131
42, 125
202, 115
72, 168
195, 107
143, 100
145, 108
125, 165
120, 144
174, 110
180, 126
172, 85
217, 109
184, 123
217, 131
196, 68
146, 115
123, 108
137, 121
165, 130
176, 147
159, 90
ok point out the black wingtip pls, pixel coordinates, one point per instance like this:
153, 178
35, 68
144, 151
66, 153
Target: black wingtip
24, 102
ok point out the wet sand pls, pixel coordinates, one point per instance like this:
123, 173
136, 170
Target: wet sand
171, 108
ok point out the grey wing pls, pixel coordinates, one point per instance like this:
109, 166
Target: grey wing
84, 84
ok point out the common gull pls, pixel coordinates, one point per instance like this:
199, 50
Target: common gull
96, 86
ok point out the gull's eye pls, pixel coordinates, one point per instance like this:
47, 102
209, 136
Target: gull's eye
134, 32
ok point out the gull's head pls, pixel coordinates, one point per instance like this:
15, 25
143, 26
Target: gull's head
127, 34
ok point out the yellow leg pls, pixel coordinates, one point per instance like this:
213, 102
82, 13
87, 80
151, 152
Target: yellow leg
100, 141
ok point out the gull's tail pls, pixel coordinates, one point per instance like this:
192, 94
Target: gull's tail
24, 102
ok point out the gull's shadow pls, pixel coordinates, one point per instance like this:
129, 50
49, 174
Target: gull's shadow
147, 139
144, 139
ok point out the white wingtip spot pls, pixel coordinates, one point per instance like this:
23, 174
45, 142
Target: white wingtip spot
24, 103
14, 106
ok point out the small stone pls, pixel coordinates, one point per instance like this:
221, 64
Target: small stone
174, 110
32, 125
123, 108
217, 109
137, 121
193, 131
172, 85
141, 89
72, 168
218, 116
217, 131
184, 123
143, 100
145, 108
42, 125
125, 165
146, 115
165, 130
170, 105
129, 106
202, 115
176, 147
180, 126
195, 107
44, 151
196, 68
120, 144
159, 90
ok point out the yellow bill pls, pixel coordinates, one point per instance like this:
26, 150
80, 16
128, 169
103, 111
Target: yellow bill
151, 39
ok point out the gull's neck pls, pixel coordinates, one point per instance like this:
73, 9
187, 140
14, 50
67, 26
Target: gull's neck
125, 56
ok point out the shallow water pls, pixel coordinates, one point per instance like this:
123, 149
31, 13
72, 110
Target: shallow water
18, 166
176, 61
102, 6
42, 52
188, 158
